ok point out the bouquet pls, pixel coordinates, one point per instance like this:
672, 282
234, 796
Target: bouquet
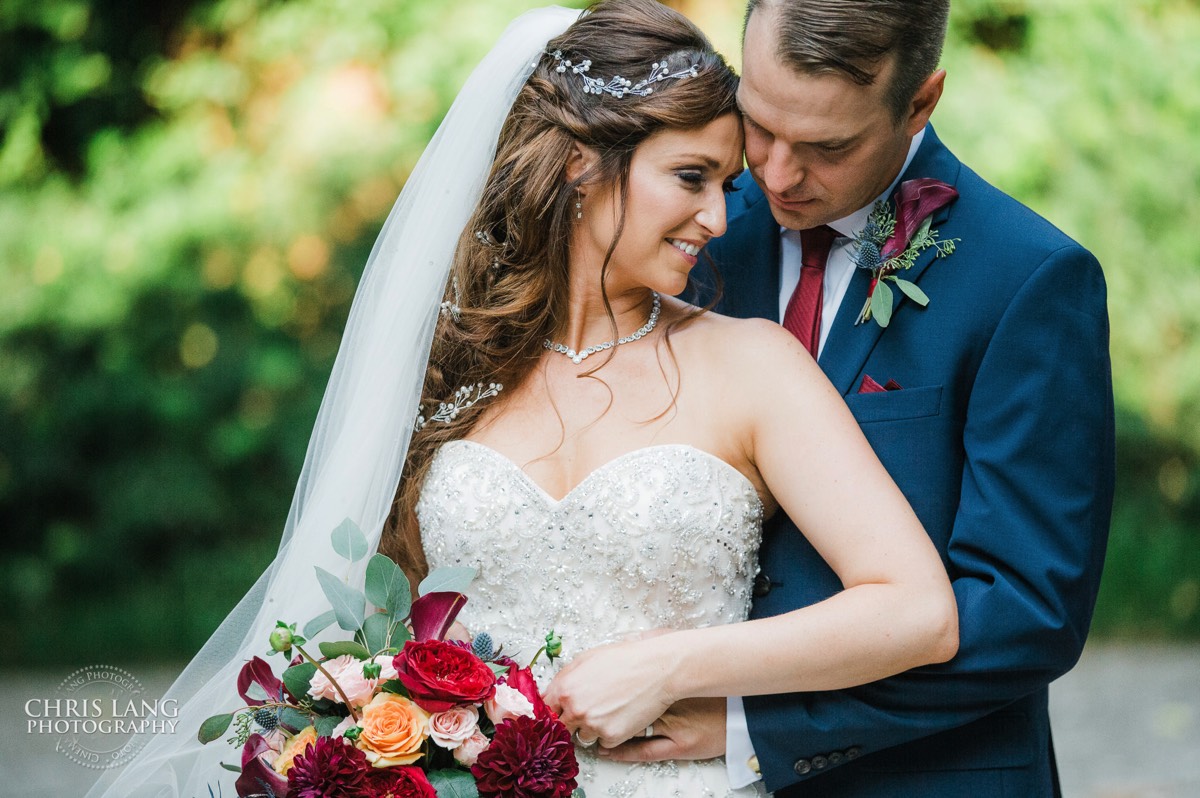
397, 711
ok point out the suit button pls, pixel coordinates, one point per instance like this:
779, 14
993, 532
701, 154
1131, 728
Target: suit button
836, 758
819, 762
802, 767
762, 585
853, 752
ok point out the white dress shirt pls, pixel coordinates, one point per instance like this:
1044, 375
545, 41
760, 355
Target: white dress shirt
839, 268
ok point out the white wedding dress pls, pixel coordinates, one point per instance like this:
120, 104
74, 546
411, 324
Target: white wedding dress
662, 537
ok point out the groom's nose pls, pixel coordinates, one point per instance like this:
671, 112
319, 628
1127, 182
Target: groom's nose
781, 170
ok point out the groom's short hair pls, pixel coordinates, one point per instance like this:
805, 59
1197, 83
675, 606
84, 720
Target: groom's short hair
854, 37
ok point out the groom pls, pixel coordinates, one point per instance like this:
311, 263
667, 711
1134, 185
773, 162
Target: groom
991, 407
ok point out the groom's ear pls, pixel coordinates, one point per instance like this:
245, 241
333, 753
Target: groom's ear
924, 101
580, 162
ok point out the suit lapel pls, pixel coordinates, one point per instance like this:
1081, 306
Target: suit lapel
849, 345
754, 243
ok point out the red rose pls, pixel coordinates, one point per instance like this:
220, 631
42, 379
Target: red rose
439, 675
398, 782
528, 758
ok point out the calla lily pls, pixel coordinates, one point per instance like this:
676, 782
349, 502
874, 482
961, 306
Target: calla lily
257, 671
433, 614
916, 200
258, 778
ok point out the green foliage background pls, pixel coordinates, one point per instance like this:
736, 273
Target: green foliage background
188, 191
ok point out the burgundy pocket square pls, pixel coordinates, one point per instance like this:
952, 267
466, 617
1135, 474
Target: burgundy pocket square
869, 385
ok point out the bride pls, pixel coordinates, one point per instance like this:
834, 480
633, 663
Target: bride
603, 453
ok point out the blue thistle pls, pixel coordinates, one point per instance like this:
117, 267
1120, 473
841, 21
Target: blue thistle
869, 256
266, 718
484, 647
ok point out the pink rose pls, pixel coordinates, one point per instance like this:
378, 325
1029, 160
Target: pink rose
471, 748
454, 726
508, 702
347, 671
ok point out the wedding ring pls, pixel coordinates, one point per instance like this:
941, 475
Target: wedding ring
649, 731
583, 742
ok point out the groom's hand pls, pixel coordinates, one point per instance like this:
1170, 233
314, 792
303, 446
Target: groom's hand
693, 728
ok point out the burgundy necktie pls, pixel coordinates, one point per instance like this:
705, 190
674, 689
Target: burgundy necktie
803, 315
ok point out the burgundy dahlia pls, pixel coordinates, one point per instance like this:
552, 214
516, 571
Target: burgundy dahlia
328, 768
398, 782
528, 758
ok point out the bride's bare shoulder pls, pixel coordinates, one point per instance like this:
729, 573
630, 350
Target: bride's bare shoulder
746, 344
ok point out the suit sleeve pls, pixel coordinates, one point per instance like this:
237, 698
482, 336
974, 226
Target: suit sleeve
1026, 549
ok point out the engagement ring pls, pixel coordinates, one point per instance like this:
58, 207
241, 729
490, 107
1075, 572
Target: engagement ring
584, 742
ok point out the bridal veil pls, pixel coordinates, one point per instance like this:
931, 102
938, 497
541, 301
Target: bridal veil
362, 431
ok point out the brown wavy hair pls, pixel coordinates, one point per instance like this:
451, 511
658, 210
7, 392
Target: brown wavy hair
510, 270
853, 37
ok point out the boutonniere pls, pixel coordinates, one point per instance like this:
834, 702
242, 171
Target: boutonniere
892, 239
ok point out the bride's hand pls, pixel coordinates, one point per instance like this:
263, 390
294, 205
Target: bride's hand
614, 692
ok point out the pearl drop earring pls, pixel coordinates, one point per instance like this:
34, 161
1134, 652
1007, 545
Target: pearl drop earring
578, 205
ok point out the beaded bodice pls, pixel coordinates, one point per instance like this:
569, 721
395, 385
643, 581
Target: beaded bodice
662, 537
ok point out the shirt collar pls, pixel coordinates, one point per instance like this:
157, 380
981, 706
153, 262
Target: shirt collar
850, 226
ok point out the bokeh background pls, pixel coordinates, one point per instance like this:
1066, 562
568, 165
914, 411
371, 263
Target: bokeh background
189, 189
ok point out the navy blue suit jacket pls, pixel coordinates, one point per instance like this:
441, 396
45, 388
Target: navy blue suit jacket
1001, 438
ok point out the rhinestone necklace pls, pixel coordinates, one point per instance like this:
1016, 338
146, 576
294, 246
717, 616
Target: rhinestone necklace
579, 357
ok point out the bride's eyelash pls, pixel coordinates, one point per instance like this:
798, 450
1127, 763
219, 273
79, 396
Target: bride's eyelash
692, 178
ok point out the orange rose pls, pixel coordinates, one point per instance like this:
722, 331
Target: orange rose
393, 730
294, 748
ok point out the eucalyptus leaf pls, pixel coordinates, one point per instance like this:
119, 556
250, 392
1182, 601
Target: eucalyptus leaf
214, 727
342, 647
911, 290
447, 580
394, 686
453, 784
319, 624
375, 631
294, 718
298, 678
325, 725
923, 228
231, 768
349, 541
499, 670
881, 304
349, 604
387, 587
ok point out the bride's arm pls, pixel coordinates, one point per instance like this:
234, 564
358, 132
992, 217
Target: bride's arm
897, 610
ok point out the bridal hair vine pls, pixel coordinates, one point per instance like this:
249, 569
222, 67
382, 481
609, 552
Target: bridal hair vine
463, 399
618, 86
452, 307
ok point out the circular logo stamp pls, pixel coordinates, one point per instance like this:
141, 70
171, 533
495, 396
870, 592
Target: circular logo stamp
100, 716
99, 689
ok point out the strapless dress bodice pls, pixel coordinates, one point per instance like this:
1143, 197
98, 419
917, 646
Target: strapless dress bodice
664, 536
